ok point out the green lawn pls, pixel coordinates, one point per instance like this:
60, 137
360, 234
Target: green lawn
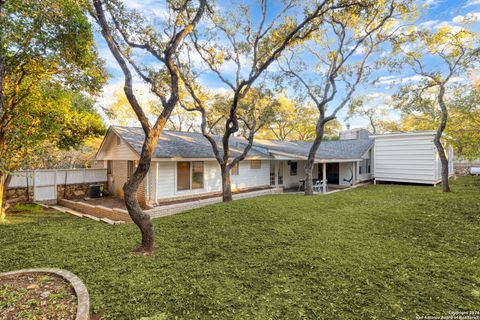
376, 252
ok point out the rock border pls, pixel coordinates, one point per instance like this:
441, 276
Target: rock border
83, 300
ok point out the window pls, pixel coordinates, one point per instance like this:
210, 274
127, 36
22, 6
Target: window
293, 168
131, 166
119, 141
109, 166
364, 166
235, 169
190, 175
183, 175
255, 164
197, 175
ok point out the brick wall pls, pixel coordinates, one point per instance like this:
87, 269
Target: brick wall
120, 176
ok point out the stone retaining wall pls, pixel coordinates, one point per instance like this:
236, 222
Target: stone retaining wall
95, 210
19, 195
463, 168
73, 191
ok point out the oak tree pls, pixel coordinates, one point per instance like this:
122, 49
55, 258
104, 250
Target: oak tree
438, 58
338, 58
48, 64
127, 34
238, 48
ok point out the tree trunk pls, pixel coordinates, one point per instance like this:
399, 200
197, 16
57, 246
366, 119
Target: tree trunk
4, 182
438, 142
311, 160
141, 219
2, 193
226, 184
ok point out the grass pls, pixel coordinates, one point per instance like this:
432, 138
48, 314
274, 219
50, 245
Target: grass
376, 252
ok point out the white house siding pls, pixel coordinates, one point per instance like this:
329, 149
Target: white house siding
248, 177
115, 149
166, 186
292, 181
346, 171
405, 158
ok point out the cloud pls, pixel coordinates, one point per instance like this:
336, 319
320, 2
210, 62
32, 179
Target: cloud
375, 95
431, 3
429, 24
469, 17
389, 80
471, 3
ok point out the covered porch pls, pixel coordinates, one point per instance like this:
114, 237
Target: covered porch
338, 174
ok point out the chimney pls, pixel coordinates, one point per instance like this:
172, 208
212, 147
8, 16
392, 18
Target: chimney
354, 134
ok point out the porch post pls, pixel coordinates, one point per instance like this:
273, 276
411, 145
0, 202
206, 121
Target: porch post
354, 173
324, 172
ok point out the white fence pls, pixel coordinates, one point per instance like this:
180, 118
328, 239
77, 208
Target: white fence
45, 182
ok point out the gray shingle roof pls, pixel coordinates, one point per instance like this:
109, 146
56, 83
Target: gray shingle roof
175, 144
331, 149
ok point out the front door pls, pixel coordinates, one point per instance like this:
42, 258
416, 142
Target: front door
333, 173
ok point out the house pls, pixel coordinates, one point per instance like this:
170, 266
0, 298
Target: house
184, 166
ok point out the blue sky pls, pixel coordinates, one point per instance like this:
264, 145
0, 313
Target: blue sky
434, 14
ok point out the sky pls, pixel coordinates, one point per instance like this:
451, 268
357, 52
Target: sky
435, 13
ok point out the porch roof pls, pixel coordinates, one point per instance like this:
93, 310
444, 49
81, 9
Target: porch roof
329, 151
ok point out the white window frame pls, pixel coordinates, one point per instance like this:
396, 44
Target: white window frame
256, 161
296, 170
190, 176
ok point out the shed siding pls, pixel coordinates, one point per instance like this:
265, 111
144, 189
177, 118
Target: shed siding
405, 158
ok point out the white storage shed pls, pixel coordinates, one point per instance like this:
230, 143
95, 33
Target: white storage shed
408, 157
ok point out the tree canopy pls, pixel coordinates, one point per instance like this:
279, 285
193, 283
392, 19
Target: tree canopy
49, 70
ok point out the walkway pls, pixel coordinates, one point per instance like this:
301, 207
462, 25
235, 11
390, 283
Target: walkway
168, 210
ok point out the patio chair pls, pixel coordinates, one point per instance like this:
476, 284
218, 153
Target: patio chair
318, 186
301, 185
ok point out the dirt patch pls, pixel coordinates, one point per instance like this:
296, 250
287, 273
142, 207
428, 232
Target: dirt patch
36, 296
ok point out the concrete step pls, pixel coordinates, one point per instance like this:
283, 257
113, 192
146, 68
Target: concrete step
67, 210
